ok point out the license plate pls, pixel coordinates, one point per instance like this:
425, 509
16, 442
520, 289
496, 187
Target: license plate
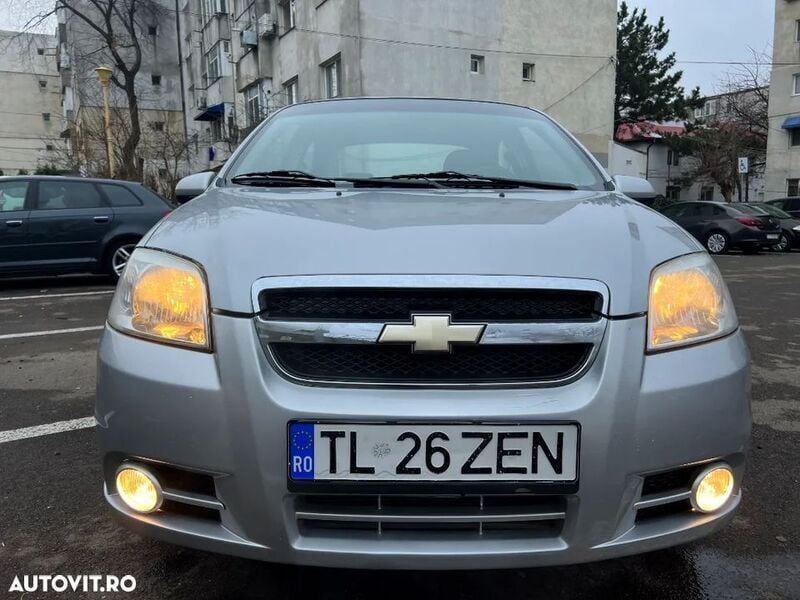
432, 452
772, 236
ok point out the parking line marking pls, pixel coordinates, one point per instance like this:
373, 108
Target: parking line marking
63, 295
9, 336
13, 435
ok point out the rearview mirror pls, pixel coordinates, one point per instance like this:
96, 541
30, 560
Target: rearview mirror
636, 188
192, 186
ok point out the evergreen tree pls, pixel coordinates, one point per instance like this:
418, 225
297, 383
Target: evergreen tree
647, 88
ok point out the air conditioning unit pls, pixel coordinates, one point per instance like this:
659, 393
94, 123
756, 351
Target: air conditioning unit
248, 38
266, 25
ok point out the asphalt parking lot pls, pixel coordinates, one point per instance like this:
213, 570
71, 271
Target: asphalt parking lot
53, 519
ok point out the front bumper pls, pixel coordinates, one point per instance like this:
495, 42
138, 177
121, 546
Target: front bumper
225, 415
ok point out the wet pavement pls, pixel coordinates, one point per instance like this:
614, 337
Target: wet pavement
53, 519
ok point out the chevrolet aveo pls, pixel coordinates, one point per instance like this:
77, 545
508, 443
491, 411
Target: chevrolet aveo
410, 333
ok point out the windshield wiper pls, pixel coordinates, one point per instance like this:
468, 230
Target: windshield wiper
447, 177
282, 179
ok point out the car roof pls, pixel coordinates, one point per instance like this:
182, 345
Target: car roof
68, 178
332, 102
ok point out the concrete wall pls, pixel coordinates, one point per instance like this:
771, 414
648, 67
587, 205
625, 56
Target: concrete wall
783, 161
423, 48
24, 133
575, 90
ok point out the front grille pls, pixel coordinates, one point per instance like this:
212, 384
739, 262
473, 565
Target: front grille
481, 305
397, 363
431, 517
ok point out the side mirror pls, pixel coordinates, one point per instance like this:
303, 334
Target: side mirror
192, 186
636, 188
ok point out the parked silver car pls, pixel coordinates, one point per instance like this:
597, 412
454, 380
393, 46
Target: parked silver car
429, 334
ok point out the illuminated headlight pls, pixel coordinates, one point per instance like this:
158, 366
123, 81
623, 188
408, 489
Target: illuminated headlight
796, 228
164, 298
689, 303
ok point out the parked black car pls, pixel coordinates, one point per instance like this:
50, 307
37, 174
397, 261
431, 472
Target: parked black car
73, 224
721, 226
790, 205
790, 226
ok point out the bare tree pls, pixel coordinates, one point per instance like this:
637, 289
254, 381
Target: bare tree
739, 128
115, 31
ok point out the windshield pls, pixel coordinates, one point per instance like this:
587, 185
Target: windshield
774, 211
361, 139
750, 209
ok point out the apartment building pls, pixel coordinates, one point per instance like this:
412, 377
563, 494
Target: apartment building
243, 59
783, 145
161, 152
30, 103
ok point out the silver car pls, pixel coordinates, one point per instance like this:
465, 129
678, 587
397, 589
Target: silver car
420, 334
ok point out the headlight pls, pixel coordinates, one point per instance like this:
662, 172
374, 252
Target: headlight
689, 303
796, 228
162, 297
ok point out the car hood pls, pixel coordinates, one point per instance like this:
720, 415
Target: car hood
240, 235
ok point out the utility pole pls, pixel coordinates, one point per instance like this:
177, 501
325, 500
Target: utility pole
104, 74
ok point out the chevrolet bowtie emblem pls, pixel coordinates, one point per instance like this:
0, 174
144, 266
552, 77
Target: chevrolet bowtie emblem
431, 333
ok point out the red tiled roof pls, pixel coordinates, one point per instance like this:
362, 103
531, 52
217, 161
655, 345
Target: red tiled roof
645, 130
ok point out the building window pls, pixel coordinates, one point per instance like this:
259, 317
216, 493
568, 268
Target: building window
794, 137
252, 105
707, 193
45, 116
212, 64
698, 113
152, 30
476, 64
797, 31
216, 130
155, 79
528, 72
49, 147
290, 88
673, 192
673, 158
40, 51
288, 14
42, 85
793, 187
796, 84
157, 125
333, 77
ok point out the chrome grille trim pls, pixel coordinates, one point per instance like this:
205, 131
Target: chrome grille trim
331, 332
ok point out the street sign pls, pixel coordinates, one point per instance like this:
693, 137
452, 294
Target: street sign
744, 165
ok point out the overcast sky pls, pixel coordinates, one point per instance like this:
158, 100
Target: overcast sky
712, 30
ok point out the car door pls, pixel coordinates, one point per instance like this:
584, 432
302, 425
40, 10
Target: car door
14, 215
67, 224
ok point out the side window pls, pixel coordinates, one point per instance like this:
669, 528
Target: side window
12, 195
705, 210
792, 204
119, 196
67, 194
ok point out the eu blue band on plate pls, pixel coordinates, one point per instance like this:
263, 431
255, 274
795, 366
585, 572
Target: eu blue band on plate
301, 450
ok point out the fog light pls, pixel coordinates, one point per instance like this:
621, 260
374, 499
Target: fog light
138, 488
712, 488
